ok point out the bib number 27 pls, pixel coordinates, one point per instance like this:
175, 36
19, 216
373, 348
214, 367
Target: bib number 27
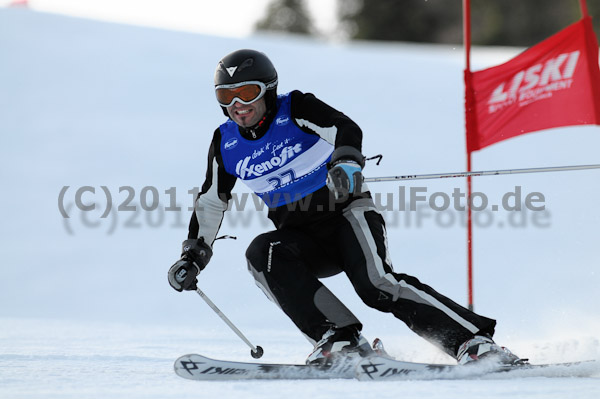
283, 178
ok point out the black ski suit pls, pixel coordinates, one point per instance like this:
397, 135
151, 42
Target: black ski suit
316, 237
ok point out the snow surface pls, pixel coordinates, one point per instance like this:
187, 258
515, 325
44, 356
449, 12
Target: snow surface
85, 308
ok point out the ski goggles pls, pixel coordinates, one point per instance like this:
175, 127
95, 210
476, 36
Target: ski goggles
243, 92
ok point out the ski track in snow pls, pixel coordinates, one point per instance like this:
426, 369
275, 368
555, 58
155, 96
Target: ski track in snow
62, 359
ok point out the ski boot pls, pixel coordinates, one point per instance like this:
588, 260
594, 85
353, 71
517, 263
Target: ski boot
483, 347
338, 345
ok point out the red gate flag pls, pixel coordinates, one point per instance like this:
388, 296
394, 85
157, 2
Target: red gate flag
554, 83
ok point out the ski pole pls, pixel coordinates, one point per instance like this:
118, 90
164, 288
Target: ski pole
480, 173
256, 351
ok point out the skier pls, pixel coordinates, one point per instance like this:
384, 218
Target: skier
304, 159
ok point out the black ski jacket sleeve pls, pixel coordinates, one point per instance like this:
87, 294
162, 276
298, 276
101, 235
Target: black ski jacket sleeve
213, 199
314, 116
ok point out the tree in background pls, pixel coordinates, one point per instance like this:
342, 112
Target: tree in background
494, 22
287, 16
520, 23
401, 20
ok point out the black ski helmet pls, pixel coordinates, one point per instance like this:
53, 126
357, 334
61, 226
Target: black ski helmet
247, 65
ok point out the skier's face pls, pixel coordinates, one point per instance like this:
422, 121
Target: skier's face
247, 115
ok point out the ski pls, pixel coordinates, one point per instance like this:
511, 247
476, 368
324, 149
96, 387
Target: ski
382, 366
387, 368
198, 367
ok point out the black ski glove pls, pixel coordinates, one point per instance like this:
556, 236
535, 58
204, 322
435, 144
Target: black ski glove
195, 255
345, 177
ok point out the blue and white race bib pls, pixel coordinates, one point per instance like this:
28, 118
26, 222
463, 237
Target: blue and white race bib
284, 165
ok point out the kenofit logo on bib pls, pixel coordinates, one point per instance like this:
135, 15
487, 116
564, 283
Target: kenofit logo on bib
245, 169
231, 143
